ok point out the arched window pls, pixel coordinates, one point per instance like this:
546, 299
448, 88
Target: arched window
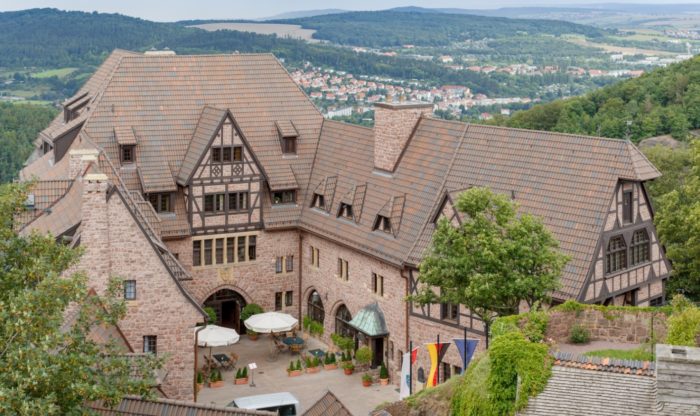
315, 307
342, 318
616, 257
639, 249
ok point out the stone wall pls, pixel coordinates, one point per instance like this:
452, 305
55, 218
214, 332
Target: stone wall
614, 325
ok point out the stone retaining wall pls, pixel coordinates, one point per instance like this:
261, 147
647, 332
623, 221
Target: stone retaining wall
621, 326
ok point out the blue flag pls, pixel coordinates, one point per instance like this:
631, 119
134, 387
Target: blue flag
466, 349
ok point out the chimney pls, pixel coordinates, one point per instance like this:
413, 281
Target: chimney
95, 231
79, 160
393, 126
677, 379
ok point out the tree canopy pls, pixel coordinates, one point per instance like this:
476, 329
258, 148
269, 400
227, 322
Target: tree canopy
49, 363
494, 260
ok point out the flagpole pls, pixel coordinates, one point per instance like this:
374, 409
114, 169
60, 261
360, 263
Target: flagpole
437, 381
464, 353
410, 368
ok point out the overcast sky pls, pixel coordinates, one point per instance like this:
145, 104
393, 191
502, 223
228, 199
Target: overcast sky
164, 10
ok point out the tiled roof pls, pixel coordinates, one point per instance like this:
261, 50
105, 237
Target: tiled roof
134, 406
61, 216
575, 391
124, 135
608, 365
209, 122
328, 405
286, 128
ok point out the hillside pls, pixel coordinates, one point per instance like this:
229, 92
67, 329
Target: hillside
663, 101
424, 28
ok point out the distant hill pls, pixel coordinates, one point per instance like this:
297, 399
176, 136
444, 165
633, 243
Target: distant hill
303, 13
663, 101
426, 28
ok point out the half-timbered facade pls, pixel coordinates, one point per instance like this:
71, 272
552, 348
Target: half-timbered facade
243, 193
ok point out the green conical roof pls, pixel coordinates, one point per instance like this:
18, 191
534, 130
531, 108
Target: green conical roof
370, 321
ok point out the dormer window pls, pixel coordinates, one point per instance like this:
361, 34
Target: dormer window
289, 145
318, 202
128, 154
345, 211
160, 202
382, 223
284, 197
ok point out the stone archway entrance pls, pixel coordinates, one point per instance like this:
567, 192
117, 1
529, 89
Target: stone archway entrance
227, 304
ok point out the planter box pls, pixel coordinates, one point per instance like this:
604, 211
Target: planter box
330, 366
311, 370
253, 337
347, 371
295, 373
239, 381
216, 384
384, 381
200, 386
366, 383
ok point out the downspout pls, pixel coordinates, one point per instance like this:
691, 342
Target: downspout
408, 306
301, 265
196, 365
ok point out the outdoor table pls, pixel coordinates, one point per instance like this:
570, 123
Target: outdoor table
223, 360
317, 353
295, 343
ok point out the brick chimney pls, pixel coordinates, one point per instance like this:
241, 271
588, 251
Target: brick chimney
79, 159
677, 380
393, 126
95, 235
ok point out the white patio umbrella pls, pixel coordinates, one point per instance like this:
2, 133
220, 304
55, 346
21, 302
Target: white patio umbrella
216, 336
270, 322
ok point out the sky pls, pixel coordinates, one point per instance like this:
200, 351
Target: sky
172, 10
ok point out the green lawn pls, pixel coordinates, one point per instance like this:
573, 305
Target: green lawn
640, 354
60, 73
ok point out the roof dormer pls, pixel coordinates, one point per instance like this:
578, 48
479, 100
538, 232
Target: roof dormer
288, 136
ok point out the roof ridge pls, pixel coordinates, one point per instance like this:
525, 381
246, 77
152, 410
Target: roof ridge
551, 133
606, 364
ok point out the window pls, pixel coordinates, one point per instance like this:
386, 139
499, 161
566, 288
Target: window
657, 301
343, 269
128, 153
226, 154
238, 201
150, 344
284, 197
446, 372
449, 311
237, 153
345, 211
214, 202
314, 256
160, 202
382, 223
216, 154
197, 253
378, 284
278, 301
342, 322
289, 263
278, 264
639, 249
289, 298
223, 250
289, 145
284, 264
627, 206
616, 257
130, 289
318, 202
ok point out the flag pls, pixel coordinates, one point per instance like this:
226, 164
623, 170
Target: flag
408, 360
436, 351
466, 349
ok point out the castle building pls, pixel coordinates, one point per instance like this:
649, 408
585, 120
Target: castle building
212, 180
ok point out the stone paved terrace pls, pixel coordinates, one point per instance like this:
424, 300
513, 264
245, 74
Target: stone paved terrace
271, 377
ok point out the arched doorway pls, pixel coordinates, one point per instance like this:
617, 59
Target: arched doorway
315, 307
342, 319
227, 304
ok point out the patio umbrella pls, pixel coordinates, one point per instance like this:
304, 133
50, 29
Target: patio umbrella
216, 336
270, 322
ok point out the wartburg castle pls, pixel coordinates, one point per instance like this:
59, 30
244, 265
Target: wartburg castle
212, 180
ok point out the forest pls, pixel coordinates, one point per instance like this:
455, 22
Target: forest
663, 101
396, 28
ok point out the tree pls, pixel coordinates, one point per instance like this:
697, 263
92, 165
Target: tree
678, 224
49, 363
674, 165
491, 262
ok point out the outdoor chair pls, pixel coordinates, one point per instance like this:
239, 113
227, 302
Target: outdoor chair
233, 357
211, 363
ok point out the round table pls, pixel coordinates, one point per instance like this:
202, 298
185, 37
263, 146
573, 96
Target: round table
296, 344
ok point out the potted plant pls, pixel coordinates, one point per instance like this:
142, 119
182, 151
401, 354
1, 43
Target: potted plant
345, 357
343, 343
312, 365
294, 370
366, 379
200, 380
215, 380
363, 356
383, 375
329, 362
248, 311
348, 368
241, 376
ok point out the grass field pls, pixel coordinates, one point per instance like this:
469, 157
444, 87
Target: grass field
282, 31
582, 41
60, 73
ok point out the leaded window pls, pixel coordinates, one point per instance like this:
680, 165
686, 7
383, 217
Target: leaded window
616, 257
639, 249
